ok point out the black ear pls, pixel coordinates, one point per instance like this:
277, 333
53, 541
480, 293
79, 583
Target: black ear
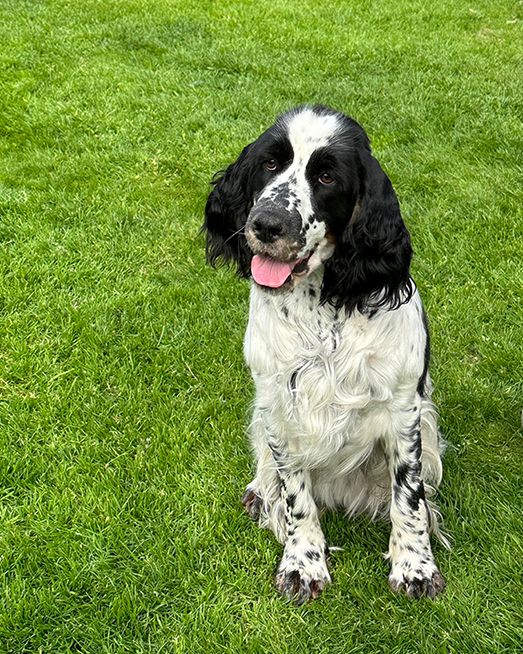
226, 212
370, 264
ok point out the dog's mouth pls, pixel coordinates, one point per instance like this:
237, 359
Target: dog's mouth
271, 273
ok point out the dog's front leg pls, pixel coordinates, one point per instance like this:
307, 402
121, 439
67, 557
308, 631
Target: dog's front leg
413, 568
303, 572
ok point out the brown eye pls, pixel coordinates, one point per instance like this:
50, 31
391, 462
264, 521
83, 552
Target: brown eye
325, 179
271, 165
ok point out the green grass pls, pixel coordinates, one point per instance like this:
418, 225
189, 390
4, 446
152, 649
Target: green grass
123, 394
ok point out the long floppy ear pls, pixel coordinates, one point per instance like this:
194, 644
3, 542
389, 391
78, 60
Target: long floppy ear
226, 212
370, 264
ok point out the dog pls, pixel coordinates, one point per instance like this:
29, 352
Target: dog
338, 345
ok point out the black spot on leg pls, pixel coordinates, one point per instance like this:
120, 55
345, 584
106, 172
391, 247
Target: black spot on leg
291, 499
312, 555
415, 496
415, 448
400, 474
312, 292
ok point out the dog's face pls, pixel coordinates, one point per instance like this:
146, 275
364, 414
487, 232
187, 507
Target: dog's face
301, 196
307, 184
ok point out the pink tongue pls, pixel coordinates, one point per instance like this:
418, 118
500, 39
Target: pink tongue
269, 272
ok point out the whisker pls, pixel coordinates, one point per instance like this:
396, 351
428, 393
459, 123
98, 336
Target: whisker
234, 234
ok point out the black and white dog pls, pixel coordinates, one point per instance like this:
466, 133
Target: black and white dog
337, 343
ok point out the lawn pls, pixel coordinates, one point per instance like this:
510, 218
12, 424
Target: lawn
123, 391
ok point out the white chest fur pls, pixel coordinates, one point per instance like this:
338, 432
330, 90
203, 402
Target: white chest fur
328, 382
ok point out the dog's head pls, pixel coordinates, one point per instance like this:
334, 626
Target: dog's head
308, 193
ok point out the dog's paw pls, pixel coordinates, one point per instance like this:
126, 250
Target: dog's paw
252, 503
302, 580
425, 581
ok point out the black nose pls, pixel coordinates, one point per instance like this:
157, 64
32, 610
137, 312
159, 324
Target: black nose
267, 228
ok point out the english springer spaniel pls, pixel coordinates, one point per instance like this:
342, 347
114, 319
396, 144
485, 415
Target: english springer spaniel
337, 343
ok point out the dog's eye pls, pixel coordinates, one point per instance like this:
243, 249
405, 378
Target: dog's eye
271, 165
325, 179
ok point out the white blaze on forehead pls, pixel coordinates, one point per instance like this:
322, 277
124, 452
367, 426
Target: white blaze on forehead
309, 131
